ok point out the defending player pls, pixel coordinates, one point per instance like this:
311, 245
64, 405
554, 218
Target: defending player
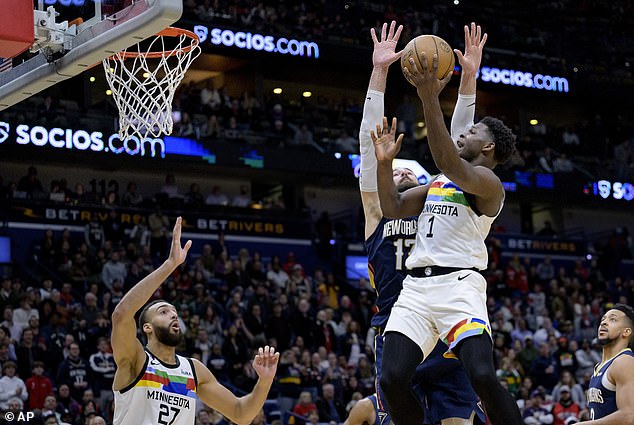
451, 399
154, 385
611, 391
444, 296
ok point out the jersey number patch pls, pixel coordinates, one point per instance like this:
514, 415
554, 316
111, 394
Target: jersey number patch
165, 412
430, 234
401, 246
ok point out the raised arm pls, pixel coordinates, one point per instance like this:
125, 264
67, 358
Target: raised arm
239, 410
464, 111
477, 180
394, 204
383, 56
126, 348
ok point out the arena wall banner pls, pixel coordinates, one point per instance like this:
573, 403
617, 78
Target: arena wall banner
522, 244
229, 222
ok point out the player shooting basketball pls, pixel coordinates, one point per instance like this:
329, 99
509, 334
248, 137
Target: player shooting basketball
440, 383
444, 296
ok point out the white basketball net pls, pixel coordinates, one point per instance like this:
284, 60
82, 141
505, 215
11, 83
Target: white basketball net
143, 85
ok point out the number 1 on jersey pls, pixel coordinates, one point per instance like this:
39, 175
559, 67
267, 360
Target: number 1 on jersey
430, 234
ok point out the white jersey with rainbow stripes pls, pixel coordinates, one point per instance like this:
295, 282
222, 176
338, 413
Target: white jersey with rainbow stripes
450, 233
162, 394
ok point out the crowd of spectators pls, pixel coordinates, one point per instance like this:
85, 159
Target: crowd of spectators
54, 333
170, 195
543, 34
594, 144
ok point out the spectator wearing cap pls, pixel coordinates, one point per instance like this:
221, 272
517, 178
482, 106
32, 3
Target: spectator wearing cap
298, 283
11, 386
565, 408
38, 386
566, 359
535, 413
576, 390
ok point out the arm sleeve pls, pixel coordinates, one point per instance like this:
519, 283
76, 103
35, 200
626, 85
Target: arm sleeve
372, 115
463, 115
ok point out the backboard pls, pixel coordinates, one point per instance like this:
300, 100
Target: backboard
63, 50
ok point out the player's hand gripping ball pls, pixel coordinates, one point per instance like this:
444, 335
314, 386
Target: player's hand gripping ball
430, 45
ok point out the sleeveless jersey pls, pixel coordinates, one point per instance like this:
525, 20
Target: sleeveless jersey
381, 416
388, 247
601, 393
162, 394
450, 233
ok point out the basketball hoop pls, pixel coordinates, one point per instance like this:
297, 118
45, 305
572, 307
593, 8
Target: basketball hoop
143, 80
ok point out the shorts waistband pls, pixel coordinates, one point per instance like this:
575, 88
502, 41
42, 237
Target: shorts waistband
430, 271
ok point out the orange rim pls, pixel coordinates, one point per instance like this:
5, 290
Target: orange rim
167, 32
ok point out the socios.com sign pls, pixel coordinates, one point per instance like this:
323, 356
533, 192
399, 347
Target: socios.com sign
615, 190
524, 79
82, 140
255, 41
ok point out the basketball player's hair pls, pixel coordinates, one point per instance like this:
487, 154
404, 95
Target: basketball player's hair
629, 314
502, 136
143, 319
627, 310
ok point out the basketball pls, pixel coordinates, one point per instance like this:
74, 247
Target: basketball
430, 45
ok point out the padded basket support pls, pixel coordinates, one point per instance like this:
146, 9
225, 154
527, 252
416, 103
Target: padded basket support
16, 27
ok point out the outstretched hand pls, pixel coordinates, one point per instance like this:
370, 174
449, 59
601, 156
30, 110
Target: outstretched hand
265, 362
474, 43
427, 83
385, 146
385, 50
178, 254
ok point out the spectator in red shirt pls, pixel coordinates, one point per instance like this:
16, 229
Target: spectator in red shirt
565, 408
38, 386
304, 407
